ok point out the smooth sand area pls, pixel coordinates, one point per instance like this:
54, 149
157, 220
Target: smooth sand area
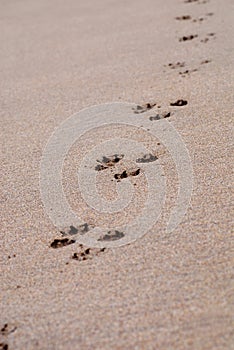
164, 291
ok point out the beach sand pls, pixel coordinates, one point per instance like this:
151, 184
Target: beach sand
163, 291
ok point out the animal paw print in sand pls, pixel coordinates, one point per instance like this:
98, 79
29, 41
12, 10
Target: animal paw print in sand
127, 173
4, 332
108, 162
85, 253
204, 18
176, 65
142, 109
72, 230
183, 18
179, 103
147, 158
188, 37
208, 37
59, 243
200, 2
6, 329
112, 235
205, 61
199, 19
188, 17
182, 73
160, 116
187, 72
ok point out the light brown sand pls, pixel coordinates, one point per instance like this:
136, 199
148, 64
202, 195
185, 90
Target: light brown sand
163, 291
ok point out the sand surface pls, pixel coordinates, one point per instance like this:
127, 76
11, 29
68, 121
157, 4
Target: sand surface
164, 291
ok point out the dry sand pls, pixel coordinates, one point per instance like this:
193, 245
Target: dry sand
165, 291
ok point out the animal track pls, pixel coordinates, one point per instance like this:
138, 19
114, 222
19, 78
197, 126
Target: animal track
147, 158
82, 229
187, 17
179, 103
183, 18
183, 74
6, 330
188, 37
200, 19
112, 235
160, 116
126, 174
198, 1
176, 65
187, 72
207, 38
108, 162
11, 256
205, 61
86, 253
142, 109
59, 243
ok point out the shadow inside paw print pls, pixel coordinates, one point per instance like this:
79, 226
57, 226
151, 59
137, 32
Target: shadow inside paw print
187, 72
127, 173
142, 109
183, 18
113, 235
160, 116
200, 19
188, 37
86, 253
205, 61
59, 243
179, 103
207, 38
176, 65
108, 162
6, 329
147, 158
81, 229
197, 1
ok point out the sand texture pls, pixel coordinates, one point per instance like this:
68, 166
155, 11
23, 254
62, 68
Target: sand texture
165, 290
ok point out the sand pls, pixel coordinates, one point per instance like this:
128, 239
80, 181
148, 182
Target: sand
163, 291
